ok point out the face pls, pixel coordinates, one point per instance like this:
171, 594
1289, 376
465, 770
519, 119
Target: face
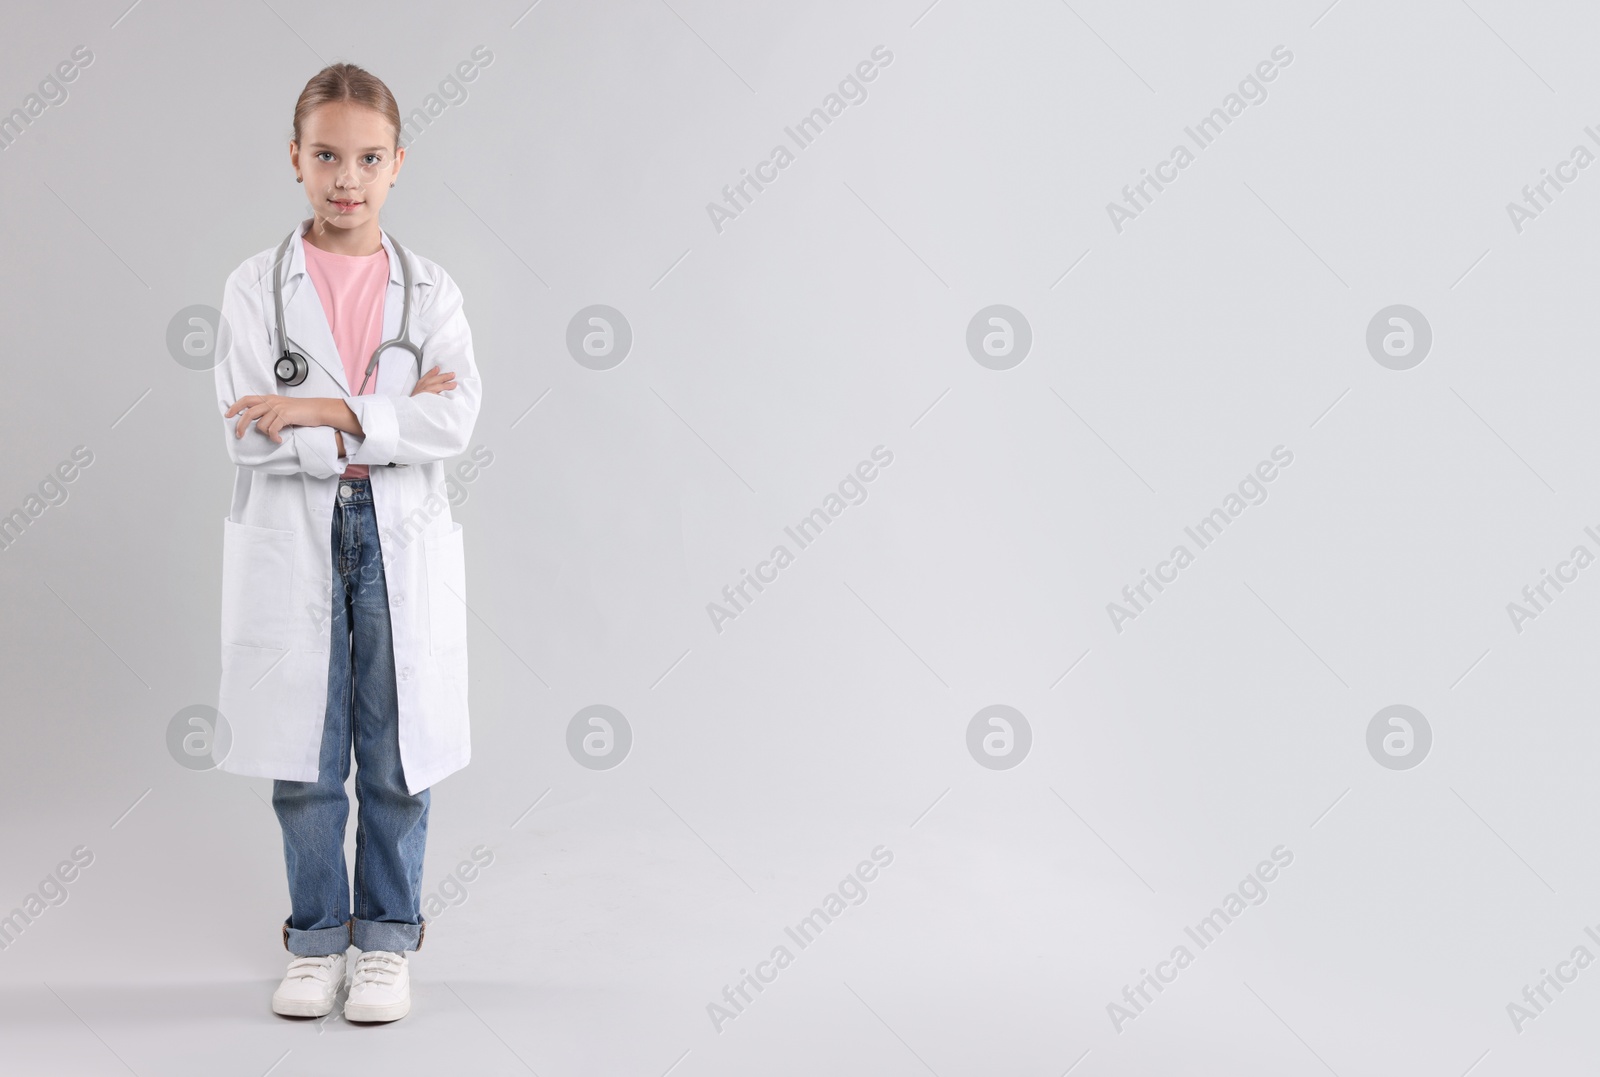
347, 158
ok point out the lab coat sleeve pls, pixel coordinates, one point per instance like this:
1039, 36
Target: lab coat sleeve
244, 368
429, 426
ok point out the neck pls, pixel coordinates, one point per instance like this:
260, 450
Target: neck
367, 239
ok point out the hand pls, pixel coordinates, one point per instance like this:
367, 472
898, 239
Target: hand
435, 382
272, 413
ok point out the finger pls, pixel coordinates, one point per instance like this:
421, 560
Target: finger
252, 413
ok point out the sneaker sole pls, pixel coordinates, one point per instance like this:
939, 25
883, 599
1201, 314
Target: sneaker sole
301, 1007
387, 1011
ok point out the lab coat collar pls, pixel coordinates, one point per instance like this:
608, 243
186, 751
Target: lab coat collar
302, 307
296, 265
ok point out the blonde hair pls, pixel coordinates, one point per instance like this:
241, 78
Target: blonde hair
346, 82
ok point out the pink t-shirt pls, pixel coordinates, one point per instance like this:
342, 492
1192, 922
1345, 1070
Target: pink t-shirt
352, 288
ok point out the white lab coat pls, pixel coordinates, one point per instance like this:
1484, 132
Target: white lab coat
277, 575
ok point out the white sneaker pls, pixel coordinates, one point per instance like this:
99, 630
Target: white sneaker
380, 987
310, 987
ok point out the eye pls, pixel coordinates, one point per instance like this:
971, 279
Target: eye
324, 155
373, 159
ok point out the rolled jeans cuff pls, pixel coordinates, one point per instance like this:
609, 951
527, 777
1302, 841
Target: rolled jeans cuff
318, 942
386, 935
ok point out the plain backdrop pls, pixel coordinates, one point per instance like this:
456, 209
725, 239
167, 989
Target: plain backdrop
1164, 756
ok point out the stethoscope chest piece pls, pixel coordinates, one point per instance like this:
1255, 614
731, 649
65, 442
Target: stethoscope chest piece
291, 368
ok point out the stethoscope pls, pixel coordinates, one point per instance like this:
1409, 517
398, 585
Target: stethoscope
292, 368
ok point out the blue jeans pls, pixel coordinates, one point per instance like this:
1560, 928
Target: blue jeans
363, 712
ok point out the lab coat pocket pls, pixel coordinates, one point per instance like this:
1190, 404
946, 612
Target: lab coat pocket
257, 585
447, 591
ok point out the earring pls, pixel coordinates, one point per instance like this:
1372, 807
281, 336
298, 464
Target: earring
391, 185
297, 179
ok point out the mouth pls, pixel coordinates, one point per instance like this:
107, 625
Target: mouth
345, 205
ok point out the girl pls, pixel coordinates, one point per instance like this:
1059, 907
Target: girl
340, 440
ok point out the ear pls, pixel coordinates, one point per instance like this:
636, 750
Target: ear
294, 158
399, 159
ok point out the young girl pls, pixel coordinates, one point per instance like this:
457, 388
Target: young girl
340, 438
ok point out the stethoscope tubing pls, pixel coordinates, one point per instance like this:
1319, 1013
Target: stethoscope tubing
401, 340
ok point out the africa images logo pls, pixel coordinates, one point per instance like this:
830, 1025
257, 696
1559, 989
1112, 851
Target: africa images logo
851, 91
1251, 891
852, 490
1252, 490
852, 890
1252, 91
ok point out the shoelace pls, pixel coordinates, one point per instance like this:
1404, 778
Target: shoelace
312, 968
377, 966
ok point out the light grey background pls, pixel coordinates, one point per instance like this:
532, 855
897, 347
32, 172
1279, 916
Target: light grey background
831, 717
